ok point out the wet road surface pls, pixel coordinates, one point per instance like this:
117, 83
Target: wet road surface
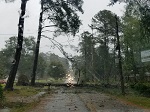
62, 102
74, 100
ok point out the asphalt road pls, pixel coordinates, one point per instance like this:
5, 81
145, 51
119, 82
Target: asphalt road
61, 102
77, 100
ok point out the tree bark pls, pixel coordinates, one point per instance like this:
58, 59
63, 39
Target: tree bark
78, 76
92, 52
120, 58
14, 68
37, 47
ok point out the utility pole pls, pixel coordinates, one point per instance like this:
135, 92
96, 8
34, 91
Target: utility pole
119, 57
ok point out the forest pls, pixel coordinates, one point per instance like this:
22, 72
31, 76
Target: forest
114, 53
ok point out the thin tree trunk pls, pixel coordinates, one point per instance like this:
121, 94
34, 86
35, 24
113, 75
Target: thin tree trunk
78, 76
14, 68
119, 56
37, 47
134, 66
85, 62
105, 57
92, 50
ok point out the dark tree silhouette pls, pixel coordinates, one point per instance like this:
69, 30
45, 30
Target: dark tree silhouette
12, 74
62, 14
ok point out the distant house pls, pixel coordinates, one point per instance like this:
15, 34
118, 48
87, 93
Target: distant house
3, 81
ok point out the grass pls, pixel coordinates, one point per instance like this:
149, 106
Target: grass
50, 80
3, 85
137, 100
132, 97
24, 91
22, 107
21, 92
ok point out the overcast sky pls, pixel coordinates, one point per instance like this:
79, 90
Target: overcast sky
9, 14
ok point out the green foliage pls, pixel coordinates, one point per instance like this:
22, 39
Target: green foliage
56, 70
86, 47
22, 80
142, 88
63, 14
135, 39
53, 57
1, 71
7, 55
1, 94
42, 65
105, 25
104, 22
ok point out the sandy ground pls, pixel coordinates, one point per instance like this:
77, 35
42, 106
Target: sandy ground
75, 100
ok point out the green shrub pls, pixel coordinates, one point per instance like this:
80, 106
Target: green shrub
132, 86
1, 95
22, 80
142, 88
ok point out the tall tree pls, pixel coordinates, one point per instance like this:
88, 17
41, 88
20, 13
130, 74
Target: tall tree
132, 41
119, 57
56, 70
12, 74
139, 7
25, 60
85, 49
136, 37
61, 14
104, 23
37, 46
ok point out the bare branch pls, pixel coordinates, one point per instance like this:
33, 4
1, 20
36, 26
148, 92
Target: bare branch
60, 47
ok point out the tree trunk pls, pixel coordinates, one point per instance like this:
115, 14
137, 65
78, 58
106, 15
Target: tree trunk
119, 56
92, 52
78, 76
85, 63
37, 47
106, 78
14, 68
134, 66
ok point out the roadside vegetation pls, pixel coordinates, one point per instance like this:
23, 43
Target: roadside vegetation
22, 98
1, 96
133, 97
111, 55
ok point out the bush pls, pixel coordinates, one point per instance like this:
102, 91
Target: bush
22, 80
142, 88
132, 86
1, 94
